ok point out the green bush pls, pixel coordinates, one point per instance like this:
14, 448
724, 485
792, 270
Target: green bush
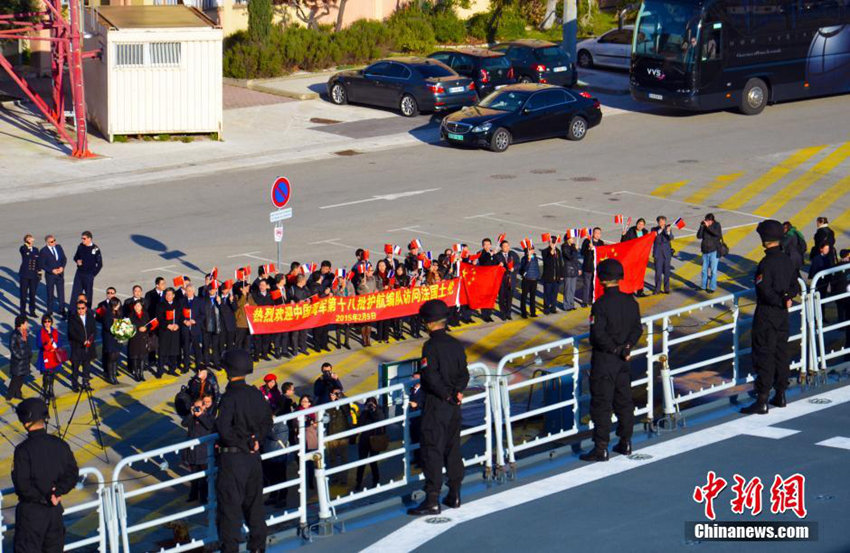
478, 26
448, 27
412, 30
510, 25
363, 41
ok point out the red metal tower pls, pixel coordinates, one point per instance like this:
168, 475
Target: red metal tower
65, 53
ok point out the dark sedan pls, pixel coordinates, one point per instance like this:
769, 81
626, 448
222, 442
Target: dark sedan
522, 112
410, 85
490, 70
539, 61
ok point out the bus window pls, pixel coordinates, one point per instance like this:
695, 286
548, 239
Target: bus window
667, 31
711, 42
821, 13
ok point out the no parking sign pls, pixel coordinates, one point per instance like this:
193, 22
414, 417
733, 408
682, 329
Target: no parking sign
281, 192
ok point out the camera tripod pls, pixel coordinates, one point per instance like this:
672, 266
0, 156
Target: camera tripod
86, 389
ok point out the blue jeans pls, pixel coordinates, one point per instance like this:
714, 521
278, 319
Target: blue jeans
709, 263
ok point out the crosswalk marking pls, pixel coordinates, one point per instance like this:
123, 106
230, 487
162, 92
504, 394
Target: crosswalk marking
715, 186
668, 189
773, 175
840, 442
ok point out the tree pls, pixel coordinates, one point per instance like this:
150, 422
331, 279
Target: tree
311, 11
260, 20
340, 14
551, 15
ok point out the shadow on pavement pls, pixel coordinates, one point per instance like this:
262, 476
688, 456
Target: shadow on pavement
150, 243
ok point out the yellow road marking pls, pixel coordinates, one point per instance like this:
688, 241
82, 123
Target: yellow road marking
775, 173
667, 190
713, 188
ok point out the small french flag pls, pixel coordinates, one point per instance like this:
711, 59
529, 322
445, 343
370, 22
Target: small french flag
573, 233
341, 273
680, 223
415, 244
457, 247
308, 268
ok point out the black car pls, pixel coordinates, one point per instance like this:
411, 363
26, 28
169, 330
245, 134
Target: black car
408, 84
490, 70
522, 112
539, 61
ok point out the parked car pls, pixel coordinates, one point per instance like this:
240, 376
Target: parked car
539, 61
612, 49
522, 112
409, 84
490, 70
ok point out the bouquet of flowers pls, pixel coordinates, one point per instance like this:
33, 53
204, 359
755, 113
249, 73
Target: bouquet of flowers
123, 330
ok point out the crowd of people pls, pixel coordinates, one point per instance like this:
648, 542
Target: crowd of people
180, 327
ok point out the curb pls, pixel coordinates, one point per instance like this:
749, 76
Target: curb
603, 89
259, 86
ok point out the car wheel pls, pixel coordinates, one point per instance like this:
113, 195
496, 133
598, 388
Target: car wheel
338, 94
578, 128
500, 140
408, 106
585, 59
754, 97
525, 79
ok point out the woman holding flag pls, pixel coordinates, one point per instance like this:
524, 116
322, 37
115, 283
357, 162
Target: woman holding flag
170, 317
137, 346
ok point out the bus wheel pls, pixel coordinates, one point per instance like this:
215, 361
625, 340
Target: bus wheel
754, 97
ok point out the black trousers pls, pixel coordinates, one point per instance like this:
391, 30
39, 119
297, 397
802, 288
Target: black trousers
212, 349
528, 295
83, 284
110, 364
610, 391
239, 487
662, 272
587, 283
28, 285
55, 290
226, 340
199, 489
440, 444
299, 341
15, 385
320, 337
342, 333
506, 297
38, 529
243, 339
364, 451
770, 351
80, 368
262, 344
193, 346
281, 343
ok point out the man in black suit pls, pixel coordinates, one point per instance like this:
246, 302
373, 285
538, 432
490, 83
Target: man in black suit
192, 329
89, 263
81, 330
154, 296
508, 259
227, 310
28, 274
132, 300
52, 261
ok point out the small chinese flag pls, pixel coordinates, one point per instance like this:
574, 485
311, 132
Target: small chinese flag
545, 237
153, 323
388, 249
240, 274
214, 273
618, 219
269, 269
501, 238
228, 284
276, 294
680, 223
247, 270
179, 281
169, 315
187, 313
366, 255
511, 265
100, 311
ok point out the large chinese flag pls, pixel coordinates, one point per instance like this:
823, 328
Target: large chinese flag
633, 254
480, 287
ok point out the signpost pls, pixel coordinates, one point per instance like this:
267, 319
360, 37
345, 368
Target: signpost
281, 193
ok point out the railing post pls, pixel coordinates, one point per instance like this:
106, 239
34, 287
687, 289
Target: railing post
736, 347
325, 526
406, 440
650, 364
302, 476
819, 330
499, 418
488, 428
509, 431
212, 499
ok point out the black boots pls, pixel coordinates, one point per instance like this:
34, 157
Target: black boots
47, 386
623, 447
452, 500
431, 506
596, 454
778, 400
758, 407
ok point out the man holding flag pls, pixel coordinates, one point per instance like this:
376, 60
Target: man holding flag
662, 253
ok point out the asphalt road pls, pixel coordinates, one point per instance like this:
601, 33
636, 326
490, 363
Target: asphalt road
790, 162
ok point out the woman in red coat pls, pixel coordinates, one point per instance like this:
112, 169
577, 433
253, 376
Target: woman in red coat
50, 357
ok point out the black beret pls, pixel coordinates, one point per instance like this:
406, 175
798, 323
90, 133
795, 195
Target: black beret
433, 311
31, 410
237, 362
610, 269
770, 230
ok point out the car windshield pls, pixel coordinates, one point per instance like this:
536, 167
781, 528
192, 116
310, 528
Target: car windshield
504, 101
549, 53
498, 62
667, 30
432, 71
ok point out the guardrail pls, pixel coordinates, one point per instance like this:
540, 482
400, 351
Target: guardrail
101, 504
490, 417
839, 295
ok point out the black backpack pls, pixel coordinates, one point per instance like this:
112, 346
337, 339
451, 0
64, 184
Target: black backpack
183, 402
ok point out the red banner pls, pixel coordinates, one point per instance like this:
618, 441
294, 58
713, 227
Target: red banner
633, 254
368, 308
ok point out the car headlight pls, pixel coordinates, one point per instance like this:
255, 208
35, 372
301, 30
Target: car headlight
484, 127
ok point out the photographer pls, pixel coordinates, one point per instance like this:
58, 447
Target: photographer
199, 423
204, 383
370, 442
326, 383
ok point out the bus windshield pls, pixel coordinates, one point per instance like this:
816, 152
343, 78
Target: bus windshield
667, 30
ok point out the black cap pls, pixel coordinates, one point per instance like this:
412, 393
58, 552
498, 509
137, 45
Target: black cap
770, 230
237, 362
433, 311
609, 270
31, 410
